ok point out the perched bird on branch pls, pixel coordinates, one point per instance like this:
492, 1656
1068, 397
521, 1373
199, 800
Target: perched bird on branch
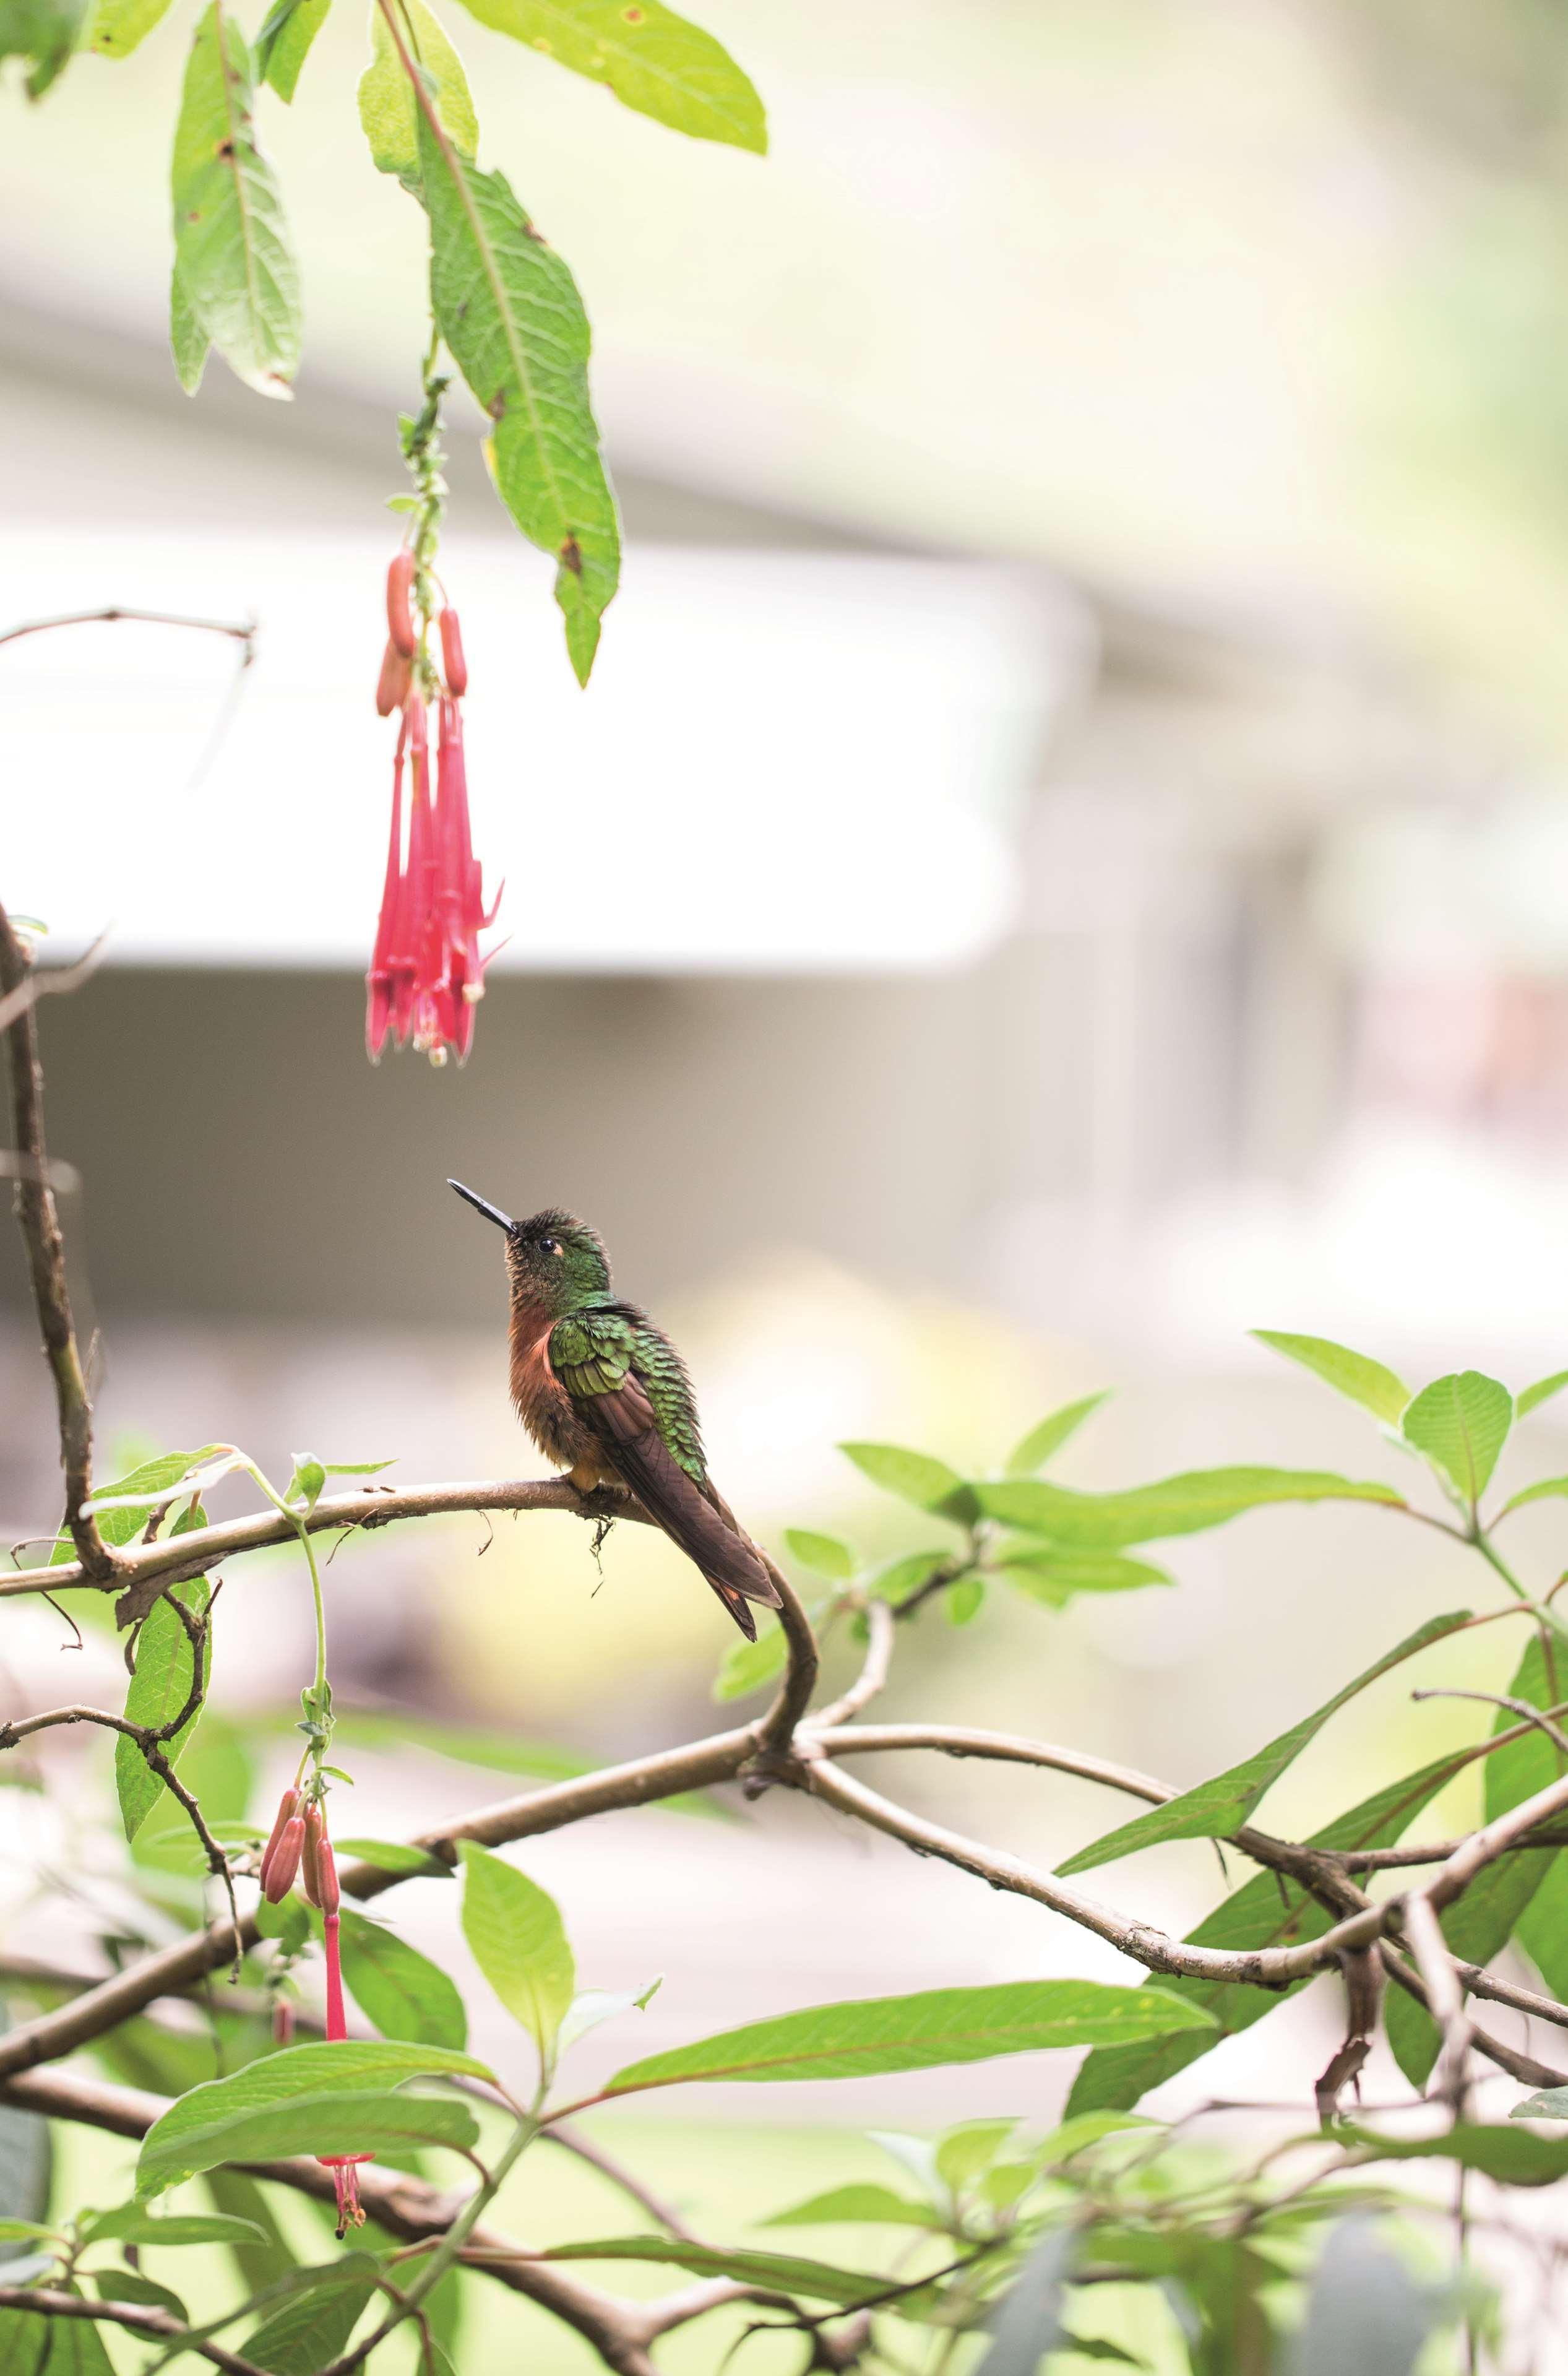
604, 1394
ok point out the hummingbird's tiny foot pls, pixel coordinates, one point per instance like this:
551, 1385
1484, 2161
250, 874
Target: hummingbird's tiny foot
603, 1504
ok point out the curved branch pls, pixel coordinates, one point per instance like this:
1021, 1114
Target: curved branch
872, 1678
777, 1726
160, 2326
972, 1740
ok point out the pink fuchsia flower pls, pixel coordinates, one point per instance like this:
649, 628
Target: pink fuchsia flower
426, 972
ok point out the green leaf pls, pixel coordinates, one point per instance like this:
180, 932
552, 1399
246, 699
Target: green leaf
187, 339
856, 2206
824, 1554
1216, 1809
261, 2262
317, 2073
916, 1476
966, 1599
119, 25
1460, 1424
393, 1856
236, 265
133, 2224
518, 1942
1268, 1911
159, 1690
1364, 2311
747, 1665
1035, 1449
46, 33
650, 58
1511, 2157
1027, 2322
1547, 1489
401, 1992
125, 1507
130, 2286
1544, 1388
283, 43
324, 2125
74, 2348
311, 2330
16, 2231
1052, 1578
914, 2033
386, 100
780, 2272
1356, 1374
509, 311
966, 2151
288, 1921
1177, 1505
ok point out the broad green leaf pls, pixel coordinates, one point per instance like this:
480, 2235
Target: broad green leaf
1268, 1911
856, 2206
310, 2331
1512, 2156
1480, 1925
965, 1599
914, 2033
283, 43
747, 1665
650, 58
236, 265
187, 339
509, 311
1216, 1809
44, 32
386, 100
1027, 2323
125, 1507
1052, 1578
118, 25
515, 1934
401, 1992
313, 2072
325, 2125
1544, 1388
1035, 1449
1177, 1505
824, 1554
1461, 1423
393, 1856
159, 1690
968, 2149
134, 2224
130, 2286
1365, 2312
780, 2272
288, 1921
1356, 1374
916, 1476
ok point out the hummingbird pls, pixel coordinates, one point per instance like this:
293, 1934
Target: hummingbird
605, 1395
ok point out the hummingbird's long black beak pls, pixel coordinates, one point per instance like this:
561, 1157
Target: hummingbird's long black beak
491, 1212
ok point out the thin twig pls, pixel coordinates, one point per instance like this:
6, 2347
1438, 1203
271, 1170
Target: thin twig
53, 983
160, 2326
245, 634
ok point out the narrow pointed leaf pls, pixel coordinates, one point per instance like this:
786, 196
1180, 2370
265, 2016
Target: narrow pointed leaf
856, 2206
283, 43
509, 311
1033, 1451
914, 2033
401, 1991
966, 2150
518, 1942
1186, 1504
231, 246
130, 2286
1355, 1374
1511, 2157
387, 101
1545, 1489
1461, 1423
916, 1476
651, 59
1216, 1809
780, 2272
1052, 1578
134, 2224
1544, 1388
747, 1665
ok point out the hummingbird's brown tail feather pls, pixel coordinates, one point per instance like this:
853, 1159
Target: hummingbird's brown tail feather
624, 1421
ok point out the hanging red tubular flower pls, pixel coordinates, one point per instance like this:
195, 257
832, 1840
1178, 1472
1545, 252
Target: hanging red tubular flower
426, 973
322, 1870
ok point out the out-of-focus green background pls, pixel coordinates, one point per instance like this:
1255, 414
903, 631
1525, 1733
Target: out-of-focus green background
1064, 859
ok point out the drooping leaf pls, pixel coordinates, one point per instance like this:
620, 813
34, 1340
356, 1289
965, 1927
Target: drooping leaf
746, 1666
1033, 1451
1052, 1578
44, 32
319, 2073
508, 310
1027, 2323
397, 1988
1511, 2157
916, 1476
519, 1943
856, 2206
780, 2272
1216, 1809
236, 267
119, 25
1356, 1374
1544, 1388
325, 2125
386, 100
165, 1668
283, 43
1186, 1504
1461, 1423
914, 2033
310, 2331
1268, 1911
187, 339
130, 2286
1364, 2310
651, 59
824, 1554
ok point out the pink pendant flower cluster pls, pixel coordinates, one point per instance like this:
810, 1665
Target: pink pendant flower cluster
426, 973
300, 1849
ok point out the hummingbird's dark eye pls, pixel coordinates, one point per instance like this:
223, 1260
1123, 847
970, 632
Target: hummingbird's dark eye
549, 1245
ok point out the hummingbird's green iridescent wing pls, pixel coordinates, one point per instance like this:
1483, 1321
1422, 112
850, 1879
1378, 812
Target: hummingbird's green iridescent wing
629, 1387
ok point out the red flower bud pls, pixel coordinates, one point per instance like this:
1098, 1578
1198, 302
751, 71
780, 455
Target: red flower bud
310, 1857
400, 614
452, 659
392, 687
287, 1805
278, 1873
282, 2022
